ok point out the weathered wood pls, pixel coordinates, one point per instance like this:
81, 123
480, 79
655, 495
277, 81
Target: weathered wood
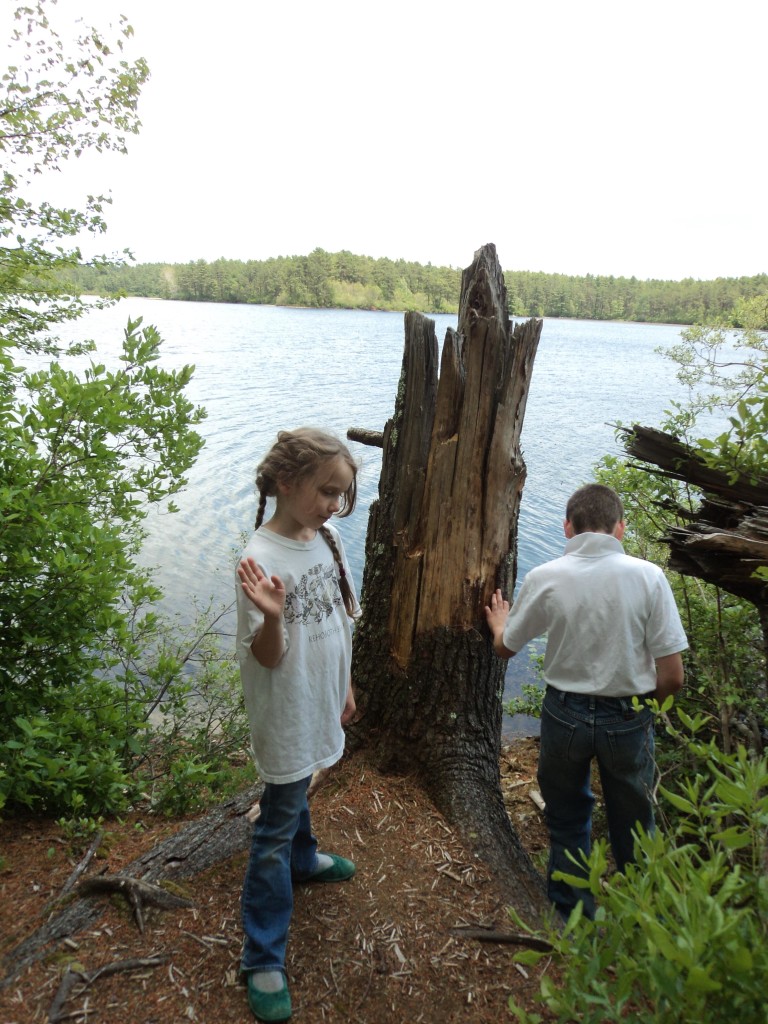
441, 537
725, 540
373, 438
136, 892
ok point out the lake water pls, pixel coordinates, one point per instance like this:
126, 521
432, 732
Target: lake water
260, 369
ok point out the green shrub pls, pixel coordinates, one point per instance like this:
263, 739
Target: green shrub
69, 754
681, 934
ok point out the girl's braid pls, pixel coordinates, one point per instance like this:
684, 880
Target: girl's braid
261, 509
346, 590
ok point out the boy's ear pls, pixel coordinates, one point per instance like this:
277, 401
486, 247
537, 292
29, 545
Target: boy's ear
618, 530
568, 529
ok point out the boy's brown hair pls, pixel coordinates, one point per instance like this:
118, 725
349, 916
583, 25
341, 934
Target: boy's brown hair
594, 509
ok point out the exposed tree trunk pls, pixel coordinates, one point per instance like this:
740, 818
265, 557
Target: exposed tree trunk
441, 537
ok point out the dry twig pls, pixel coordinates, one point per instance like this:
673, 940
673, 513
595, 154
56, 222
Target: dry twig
71, 978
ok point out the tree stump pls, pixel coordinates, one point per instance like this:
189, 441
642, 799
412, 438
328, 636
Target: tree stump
441, 537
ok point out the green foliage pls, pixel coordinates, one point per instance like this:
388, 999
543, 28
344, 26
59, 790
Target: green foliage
58, 98
681, 935
65, 751
82, 457
528, 703
725, 663
193, 697
86, 444
724, 366
348, 281
80, 831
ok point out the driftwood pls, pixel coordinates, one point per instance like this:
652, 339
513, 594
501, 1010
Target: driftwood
441, 537
218, 836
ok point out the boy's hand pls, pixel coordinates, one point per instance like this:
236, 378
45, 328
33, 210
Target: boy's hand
267, 594
496, 613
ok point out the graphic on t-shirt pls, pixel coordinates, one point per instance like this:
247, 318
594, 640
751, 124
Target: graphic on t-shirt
315, 596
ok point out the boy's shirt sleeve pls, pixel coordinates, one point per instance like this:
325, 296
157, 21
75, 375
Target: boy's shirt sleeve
664, 633
526, 619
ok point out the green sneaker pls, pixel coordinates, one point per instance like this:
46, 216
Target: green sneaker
339, 871
269, 1006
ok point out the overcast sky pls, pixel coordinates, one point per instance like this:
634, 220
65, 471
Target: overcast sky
624, 138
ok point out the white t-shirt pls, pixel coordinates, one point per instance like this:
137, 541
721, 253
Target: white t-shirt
294, 709
607, 617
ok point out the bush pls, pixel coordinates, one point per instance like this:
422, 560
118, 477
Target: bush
681, 934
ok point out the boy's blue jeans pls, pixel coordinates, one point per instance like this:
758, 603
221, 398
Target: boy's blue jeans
283, 849
576, 728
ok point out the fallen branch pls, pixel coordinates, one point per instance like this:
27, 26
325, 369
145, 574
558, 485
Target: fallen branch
509, 938
373, 438
79, 869
71, 978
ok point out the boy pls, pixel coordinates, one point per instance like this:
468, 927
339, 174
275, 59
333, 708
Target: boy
613, 633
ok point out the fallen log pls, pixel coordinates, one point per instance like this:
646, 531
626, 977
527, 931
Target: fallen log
221, 834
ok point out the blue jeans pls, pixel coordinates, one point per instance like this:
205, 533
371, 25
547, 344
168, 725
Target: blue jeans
576, 728
283, 850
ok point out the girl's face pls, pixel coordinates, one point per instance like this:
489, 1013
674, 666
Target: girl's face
306, 506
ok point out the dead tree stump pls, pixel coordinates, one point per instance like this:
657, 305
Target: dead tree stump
441, 537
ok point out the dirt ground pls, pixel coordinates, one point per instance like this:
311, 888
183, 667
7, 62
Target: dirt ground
379, 948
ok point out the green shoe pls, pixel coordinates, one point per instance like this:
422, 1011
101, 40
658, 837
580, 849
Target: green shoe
269, 1006
339, 871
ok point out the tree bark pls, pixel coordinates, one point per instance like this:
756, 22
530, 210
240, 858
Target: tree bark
441, 537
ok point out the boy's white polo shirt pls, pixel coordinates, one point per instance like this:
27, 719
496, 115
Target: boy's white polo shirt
607, 616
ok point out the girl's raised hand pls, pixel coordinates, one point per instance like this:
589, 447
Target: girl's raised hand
268, 594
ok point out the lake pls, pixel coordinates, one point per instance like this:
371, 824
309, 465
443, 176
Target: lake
260, 369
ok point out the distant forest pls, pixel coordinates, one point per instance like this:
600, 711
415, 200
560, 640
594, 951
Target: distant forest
344, 280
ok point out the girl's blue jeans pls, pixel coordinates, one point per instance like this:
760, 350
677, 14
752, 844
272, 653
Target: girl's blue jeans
283, 850
576, 728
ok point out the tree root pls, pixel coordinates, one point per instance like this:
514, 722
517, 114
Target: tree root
136, 892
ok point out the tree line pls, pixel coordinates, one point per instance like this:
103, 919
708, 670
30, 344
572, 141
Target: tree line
348, 281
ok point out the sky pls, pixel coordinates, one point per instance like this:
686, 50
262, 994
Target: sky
601, 137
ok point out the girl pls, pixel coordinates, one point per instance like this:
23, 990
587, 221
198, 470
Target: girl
295, 601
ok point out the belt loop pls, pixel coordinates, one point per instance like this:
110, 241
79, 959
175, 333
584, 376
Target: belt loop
591, 703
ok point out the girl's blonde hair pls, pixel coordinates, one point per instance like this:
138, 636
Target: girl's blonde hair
295, 456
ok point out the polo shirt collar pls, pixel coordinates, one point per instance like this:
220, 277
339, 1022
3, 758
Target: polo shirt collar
593, 545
